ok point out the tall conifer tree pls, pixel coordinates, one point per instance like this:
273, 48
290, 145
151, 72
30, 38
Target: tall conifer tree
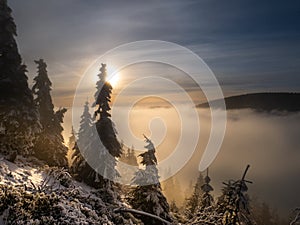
106, 131
18, 115
49, 143
80, 169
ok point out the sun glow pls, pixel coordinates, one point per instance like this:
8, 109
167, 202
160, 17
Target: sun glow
114, 80
113, 76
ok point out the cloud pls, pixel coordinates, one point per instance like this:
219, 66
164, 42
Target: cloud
248, 46
269, 143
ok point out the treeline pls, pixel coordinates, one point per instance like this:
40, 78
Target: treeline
289, 102
233, 206
146, 196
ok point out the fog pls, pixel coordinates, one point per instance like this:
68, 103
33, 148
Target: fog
269, 142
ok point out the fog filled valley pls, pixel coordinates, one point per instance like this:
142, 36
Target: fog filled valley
269, 142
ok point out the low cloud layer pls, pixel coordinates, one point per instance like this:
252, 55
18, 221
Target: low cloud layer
269, 143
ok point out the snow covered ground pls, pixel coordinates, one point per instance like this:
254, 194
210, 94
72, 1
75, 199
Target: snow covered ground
19, 173
74, 202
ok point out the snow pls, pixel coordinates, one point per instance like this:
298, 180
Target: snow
14, 174
77, 203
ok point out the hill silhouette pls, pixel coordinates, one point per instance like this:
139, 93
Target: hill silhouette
289, 102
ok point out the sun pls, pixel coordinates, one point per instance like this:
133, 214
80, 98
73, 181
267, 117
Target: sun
114, 80
113, 76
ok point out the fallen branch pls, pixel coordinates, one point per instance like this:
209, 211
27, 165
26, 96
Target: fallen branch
142, 213
297, 217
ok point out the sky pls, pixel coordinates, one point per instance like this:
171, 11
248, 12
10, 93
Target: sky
250, 46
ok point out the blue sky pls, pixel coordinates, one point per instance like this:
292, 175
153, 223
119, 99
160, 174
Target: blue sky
250, 45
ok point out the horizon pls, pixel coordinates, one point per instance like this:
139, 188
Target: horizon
249, 48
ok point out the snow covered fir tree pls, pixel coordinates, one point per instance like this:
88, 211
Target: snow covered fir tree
205, 212
80, 169
207, 199
194, 202
233, 204
49, 144
97, 140
147, 196
111, 148
18, 114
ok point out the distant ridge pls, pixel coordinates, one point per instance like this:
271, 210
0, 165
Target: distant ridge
289, 102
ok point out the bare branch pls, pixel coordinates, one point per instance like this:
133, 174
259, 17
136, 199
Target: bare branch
142, 213
297, 217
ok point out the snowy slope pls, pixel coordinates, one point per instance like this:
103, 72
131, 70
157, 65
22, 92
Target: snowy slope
23, 185
19, 173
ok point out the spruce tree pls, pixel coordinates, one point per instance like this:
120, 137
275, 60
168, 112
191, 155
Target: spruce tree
131, 158
148, 196
80, 169
206, 212
194, 202
128, 166
72, 139
49, 143
106, 170
234, 202
207, 199
18, 115
128, 156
